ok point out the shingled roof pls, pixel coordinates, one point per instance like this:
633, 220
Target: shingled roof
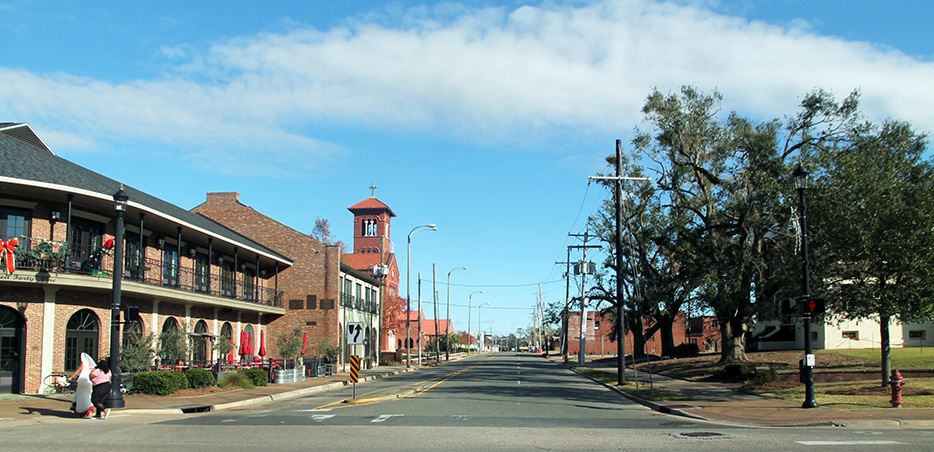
26, 158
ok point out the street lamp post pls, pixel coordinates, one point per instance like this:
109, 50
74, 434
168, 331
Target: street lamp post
469, 304
480, 328
801, 184
447, 334
115, 398
408, 291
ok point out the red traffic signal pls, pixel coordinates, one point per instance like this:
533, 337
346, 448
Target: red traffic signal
812, 306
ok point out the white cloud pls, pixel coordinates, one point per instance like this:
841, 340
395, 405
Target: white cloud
485, 74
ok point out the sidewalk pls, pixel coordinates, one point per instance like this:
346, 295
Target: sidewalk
719, 402
34, 406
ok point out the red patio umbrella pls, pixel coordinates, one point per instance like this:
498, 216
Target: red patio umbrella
230, 355
262, 344
249, 345
304, 343
242, 343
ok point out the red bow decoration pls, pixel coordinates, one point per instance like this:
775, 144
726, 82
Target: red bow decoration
9, 246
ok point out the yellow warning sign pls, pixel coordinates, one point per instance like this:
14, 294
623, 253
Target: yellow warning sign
354, 368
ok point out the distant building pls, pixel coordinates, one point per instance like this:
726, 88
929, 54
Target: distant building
704, 331
832, 335
599, 329
374, 255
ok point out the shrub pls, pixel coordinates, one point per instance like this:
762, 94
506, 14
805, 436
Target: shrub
737, 371
173, 346
258, 377
137, 353
160, 382
290, 345
687, 350
235, 379
763, 376
199, 378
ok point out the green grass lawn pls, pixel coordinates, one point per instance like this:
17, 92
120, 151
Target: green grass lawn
858, 394
902, 358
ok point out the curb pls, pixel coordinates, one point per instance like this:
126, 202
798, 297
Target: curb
867, 423
300, 392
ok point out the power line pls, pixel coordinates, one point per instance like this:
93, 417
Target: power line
498, 285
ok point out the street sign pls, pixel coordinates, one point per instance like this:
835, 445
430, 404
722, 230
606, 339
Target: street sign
355, 333
354, 368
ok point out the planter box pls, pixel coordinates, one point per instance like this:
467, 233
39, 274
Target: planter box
283, 376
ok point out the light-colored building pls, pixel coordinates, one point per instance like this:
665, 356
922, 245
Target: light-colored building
833, 335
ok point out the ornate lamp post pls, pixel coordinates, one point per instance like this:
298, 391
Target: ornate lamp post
408, 291
115, 399
801, 184
447, 334
469, 304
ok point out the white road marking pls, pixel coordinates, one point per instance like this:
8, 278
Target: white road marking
847, 443
321, 417
384, 417
230, 420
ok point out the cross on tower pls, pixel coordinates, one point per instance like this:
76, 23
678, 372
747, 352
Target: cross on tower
373, 188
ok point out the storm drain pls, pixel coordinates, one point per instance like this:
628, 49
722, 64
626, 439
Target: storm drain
196, 409
699, 435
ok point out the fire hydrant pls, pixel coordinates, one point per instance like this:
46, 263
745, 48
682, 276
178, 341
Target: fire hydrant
895, 381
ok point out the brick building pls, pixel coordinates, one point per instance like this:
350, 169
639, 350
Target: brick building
705, 332
322, 294
374, 254
181, 270
598, 331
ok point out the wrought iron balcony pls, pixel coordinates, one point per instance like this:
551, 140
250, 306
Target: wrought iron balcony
358, 303
59, 257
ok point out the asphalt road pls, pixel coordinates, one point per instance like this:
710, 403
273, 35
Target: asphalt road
491, 402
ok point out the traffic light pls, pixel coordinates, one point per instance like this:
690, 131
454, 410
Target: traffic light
812, 306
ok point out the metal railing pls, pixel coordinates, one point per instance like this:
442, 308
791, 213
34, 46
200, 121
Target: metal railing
358, 303
59, 257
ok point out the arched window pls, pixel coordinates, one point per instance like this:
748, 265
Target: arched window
81, 336
199, 344
173, 345
250, 343
133, 328
227, 337
170, 324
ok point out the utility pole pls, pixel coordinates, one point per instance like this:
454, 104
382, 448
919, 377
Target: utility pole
564, 314
620, 309
584, 268
541, 310
434, 288
579, 267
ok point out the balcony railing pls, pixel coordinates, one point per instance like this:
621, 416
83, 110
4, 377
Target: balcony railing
54, 256
358, 303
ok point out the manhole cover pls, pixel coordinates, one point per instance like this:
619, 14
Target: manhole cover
676, 424
699, 435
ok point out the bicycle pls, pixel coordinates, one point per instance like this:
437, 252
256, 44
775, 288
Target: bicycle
58, 383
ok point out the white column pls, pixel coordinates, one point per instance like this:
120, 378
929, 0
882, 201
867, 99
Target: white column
48, 334
155, 324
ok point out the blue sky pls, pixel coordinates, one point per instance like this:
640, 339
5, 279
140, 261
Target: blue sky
483, 117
